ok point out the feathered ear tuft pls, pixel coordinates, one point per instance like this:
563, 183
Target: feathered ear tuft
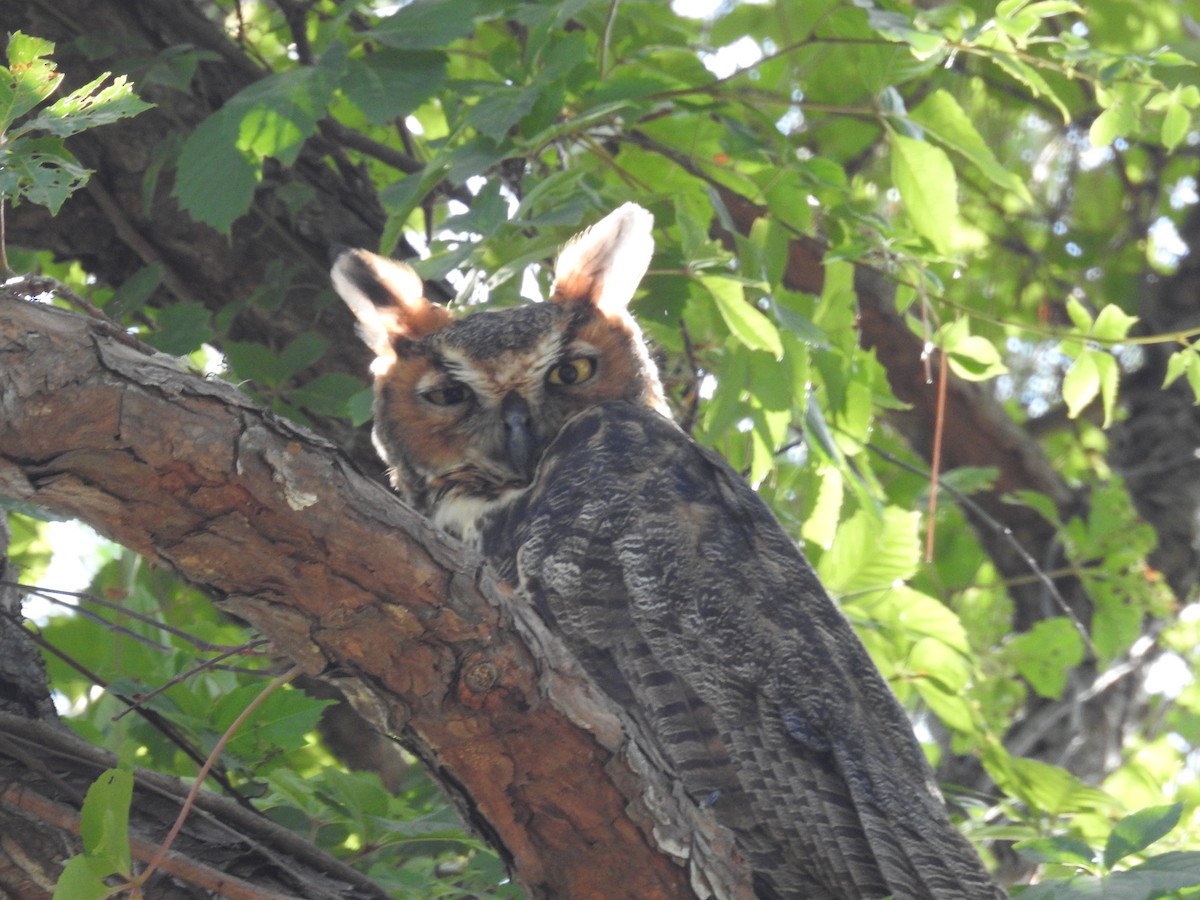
387, 298
605, 263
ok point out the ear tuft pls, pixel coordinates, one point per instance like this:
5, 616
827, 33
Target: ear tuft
387, 298
605, 264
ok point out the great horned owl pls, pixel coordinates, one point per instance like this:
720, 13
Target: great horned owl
539, 433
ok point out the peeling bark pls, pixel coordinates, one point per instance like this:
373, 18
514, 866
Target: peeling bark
356, 588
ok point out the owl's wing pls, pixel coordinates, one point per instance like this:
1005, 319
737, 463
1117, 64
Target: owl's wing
686, 601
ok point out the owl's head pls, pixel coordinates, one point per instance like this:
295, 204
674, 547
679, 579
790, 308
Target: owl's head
465, 408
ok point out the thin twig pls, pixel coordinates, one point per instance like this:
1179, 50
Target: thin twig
185, 675
253, 705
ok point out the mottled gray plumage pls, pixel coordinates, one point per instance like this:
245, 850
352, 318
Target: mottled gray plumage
679, 591
538, 435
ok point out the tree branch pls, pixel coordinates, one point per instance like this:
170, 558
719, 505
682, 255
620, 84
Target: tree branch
352, 585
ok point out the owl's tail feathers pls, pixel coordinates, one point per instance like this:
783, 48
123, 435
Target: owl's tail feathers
919, 854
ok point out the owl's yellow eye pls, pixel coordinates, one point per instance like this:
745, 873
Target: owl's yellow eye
451, 393
573, 371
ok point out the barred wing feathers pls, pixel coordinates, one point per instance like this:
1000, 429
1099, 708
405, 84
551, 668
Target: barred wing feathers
684, 598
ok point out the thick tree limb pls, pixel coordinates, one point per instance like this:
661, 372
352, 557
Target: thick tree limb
355, 587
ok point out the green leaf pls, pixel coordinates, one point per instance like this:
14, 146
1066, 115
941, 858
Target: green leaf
1177, 122
1116, 121
216, 179
1109, 373
82, 879
89, 107
500, 110
1166, 872
975, 358
745, 322
306, 349
134, 291
820, 524
334, 394
1060, 849
282, 722
942, 117
1139, 830
392, 83
104, 820
426, 24
1049, 789
182, 328
254, 362
1079, 315
928, 186
40, 170
1112, 324
872, 554
1046, 654
1081, 383
28, 80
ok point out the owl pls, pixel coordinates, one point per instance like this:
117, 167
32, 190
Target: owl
540, 435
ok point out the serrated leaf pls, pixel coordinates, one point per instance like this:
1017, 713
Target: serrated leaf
870, 553
1046, 654
1112, 324
1178, 363
182, 328
1139, 830
928, 186
89, 107
943, 119
282, 721
426, 24
1176, 123
40, 170
1081, 383
1027, 75
279, 112
29, 80
745, 322
501, 109
104, 820
1079, 315
216, 180
392, 83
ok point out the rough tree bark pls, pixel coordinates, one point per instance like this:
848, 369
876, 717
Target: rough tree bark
352, 586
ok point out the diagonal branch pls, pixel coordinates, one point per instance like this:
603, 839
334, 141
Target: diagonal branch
353, 586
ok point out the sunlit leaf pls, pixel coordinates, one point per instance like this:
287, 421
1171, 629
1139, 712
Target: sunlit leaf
746, 323
1046, 654
946, 121
1081, 383
927, 184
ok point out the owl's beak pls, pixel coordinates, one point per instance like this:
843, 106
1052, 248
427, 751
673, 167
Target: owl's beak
519, 441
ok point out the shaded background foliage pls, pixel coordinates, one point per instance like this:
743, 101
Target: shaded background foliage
838, 189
